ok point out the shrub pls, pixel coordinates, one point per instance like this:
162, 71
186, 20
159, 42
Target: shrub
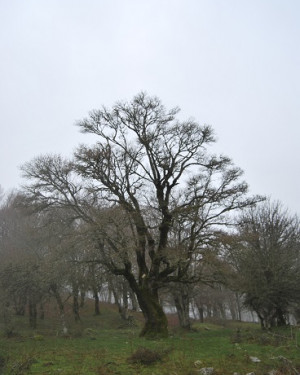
145, 356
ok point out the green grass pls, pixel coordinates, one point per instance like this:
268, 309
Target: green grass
101, 345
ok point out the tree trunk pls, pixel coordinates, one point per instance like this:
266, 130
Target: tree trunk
238, 305
82, 297
281, 320
58, 299
296, 314
195, 316
267, 318
201, 311
60, 308
156, 323
232, 307
222, 310
75, 292
96, 299
134, 302
208, 310
216, 311
7, 320
261, 320
32, 314
42, 311
123, 310
182, 306
109, 296
124, 307
20, 304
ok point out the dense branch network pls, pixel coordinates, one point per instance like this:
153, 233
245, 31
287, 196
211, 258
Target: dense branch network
150, 191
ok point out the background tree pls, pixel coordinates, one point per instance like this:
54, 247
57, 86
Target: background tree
266, 253
146, 169
21, 258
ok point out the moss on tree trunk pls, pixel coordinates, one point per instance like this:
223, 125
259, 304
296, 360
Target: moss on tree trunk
156, 323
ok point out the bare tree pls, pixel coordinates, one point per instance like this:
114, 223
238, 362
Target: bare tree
147, 169
20, 259
266, 255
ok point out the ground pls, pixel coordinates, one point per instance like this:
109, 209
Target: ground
106, 345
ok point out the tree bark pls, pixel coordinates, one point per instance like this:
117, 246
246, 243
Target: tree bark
42, 311
156, 323
296, 314
122, 303
208, 310
134, 302
201, 311
97, 302
58, 298
281, 319
82, 297
75, 292
182, 306
60, 308
222, 310
124, 307
20, 304
238, 305
32, 314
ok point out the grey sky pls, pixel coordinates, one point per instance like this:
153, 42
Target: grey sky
233, 64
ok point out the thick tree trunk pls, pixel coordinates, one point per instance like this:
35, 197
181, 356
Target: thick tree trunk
267, 318
156, 323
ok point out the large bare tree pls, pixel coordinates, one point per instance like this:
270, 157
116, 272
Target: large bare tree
147, 171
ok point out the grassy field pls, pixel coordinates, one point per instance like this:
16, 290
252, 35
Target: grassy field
104, 345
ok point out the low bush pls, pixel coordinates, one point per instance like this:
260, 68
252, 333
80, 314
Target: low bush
145, 356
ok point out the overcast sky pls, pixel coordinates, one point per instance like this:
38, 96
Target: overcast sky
233, 64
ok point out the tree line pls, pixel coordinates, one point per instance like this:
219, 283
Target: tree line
151, 212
